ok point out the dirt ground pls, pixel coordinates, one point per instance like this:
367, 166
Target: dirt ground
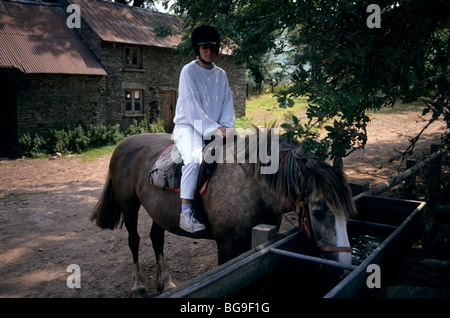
45, 205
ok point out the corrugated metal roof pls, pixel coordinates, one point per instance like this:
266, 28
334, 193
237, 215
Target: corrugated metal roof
114, 22
35, 39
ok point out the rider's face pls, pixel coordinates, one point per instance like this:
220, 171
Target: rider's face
208, 52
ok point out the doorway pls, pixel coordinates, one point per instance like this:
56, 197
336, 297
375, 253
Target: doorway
167, 104
8, 118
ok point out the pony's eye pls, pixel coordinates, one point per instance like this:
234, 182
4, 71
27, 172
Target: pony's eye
318, 212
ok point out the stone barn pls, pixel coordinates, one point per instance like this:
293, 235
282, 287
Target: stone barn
116, 66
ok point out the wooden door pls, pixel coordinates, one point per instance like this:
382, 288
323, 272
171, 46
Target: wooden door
167, 103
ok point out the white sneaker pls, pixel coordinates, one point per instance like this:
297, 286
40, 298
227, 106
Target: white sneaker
189, 223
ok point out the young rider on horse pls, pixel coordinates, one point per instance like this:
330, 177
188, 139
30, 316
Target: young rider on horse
204, 108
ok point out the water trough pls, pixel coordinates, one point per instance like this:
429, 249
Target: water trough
393, 223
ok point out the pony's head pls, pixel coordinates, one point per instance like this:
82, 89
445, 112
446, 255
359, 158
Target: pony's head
324, 205
320, 195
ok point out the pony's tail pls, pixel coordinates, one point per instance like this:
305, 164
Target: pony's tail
107, 212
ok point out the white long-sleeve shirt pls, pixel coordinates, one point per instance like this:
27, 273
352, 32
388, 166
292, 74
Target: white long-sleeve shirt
206, 96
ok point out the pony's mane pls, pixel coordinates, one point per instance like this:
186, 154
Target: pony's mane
297, 174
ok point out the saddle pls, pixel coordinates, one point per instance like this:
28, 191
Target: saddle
167, 170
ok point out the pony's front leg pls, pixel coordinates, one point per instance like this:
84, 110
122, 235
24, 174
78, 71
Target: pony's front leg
163, 281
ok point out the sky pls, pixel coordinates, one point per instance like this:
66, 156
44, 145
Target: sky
160, 7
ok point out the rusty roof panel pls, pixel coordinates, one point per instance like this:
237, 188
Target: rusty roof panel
114, 22
35, 39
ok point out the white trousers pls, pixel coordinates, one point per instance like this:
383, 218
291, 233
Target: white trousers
190, 145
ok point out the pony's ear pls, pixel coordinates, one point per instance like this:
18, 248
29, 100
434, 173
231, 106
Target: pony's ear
337, 164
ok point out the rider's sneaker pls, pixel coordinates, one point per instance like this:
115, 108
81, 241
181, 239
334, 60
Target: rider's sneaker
189, 223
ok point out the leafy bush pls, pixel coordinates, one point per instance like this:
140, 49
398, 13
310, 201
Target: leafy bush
25, 144
69, 140
77, 139
144, 127
59, 141
101, 135
32, 145
156, 127
137, 128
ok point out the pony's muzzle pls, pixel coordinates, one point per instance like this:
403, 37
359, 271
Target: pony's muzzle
338, 254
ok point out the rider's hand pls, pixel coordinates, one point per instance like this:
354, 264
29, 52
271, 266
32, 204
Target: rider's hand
224, 132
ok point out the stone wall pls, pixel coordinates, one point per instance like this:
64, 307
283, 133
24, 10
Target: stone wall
45, 101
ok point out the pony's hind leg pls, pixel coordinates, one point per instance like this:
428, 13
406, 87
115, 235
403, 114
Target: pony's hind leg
131, 221
163, 281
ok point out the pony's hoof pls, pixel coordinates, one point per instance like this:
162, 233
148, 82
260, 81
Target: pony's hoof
168, 285
139, 293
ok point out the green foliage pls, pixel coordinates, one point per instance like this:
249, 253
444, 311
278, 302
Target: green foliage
156, 127
58, 141
32, 145
345, 68
355, 69
284, 100
77, 140
137, 128
145, 127
162, 29
101, 135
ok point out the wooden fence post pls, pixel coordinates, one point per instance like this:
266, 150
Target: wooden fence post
358, 187
263, 233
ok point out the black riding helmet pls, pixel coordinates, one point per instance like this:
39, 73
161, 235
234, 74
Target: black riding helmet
204, 35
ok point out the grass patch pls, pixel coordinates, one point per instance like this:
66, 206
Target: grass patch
265, 109
95, 153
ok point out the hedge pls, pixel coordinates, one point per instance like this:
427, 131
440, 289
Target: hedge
76, 139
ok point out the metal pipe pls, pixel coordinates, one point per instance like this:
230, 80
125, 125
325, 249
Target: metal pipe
312, 259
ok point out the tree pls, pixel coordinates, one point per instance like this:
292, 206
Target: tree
352, 65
